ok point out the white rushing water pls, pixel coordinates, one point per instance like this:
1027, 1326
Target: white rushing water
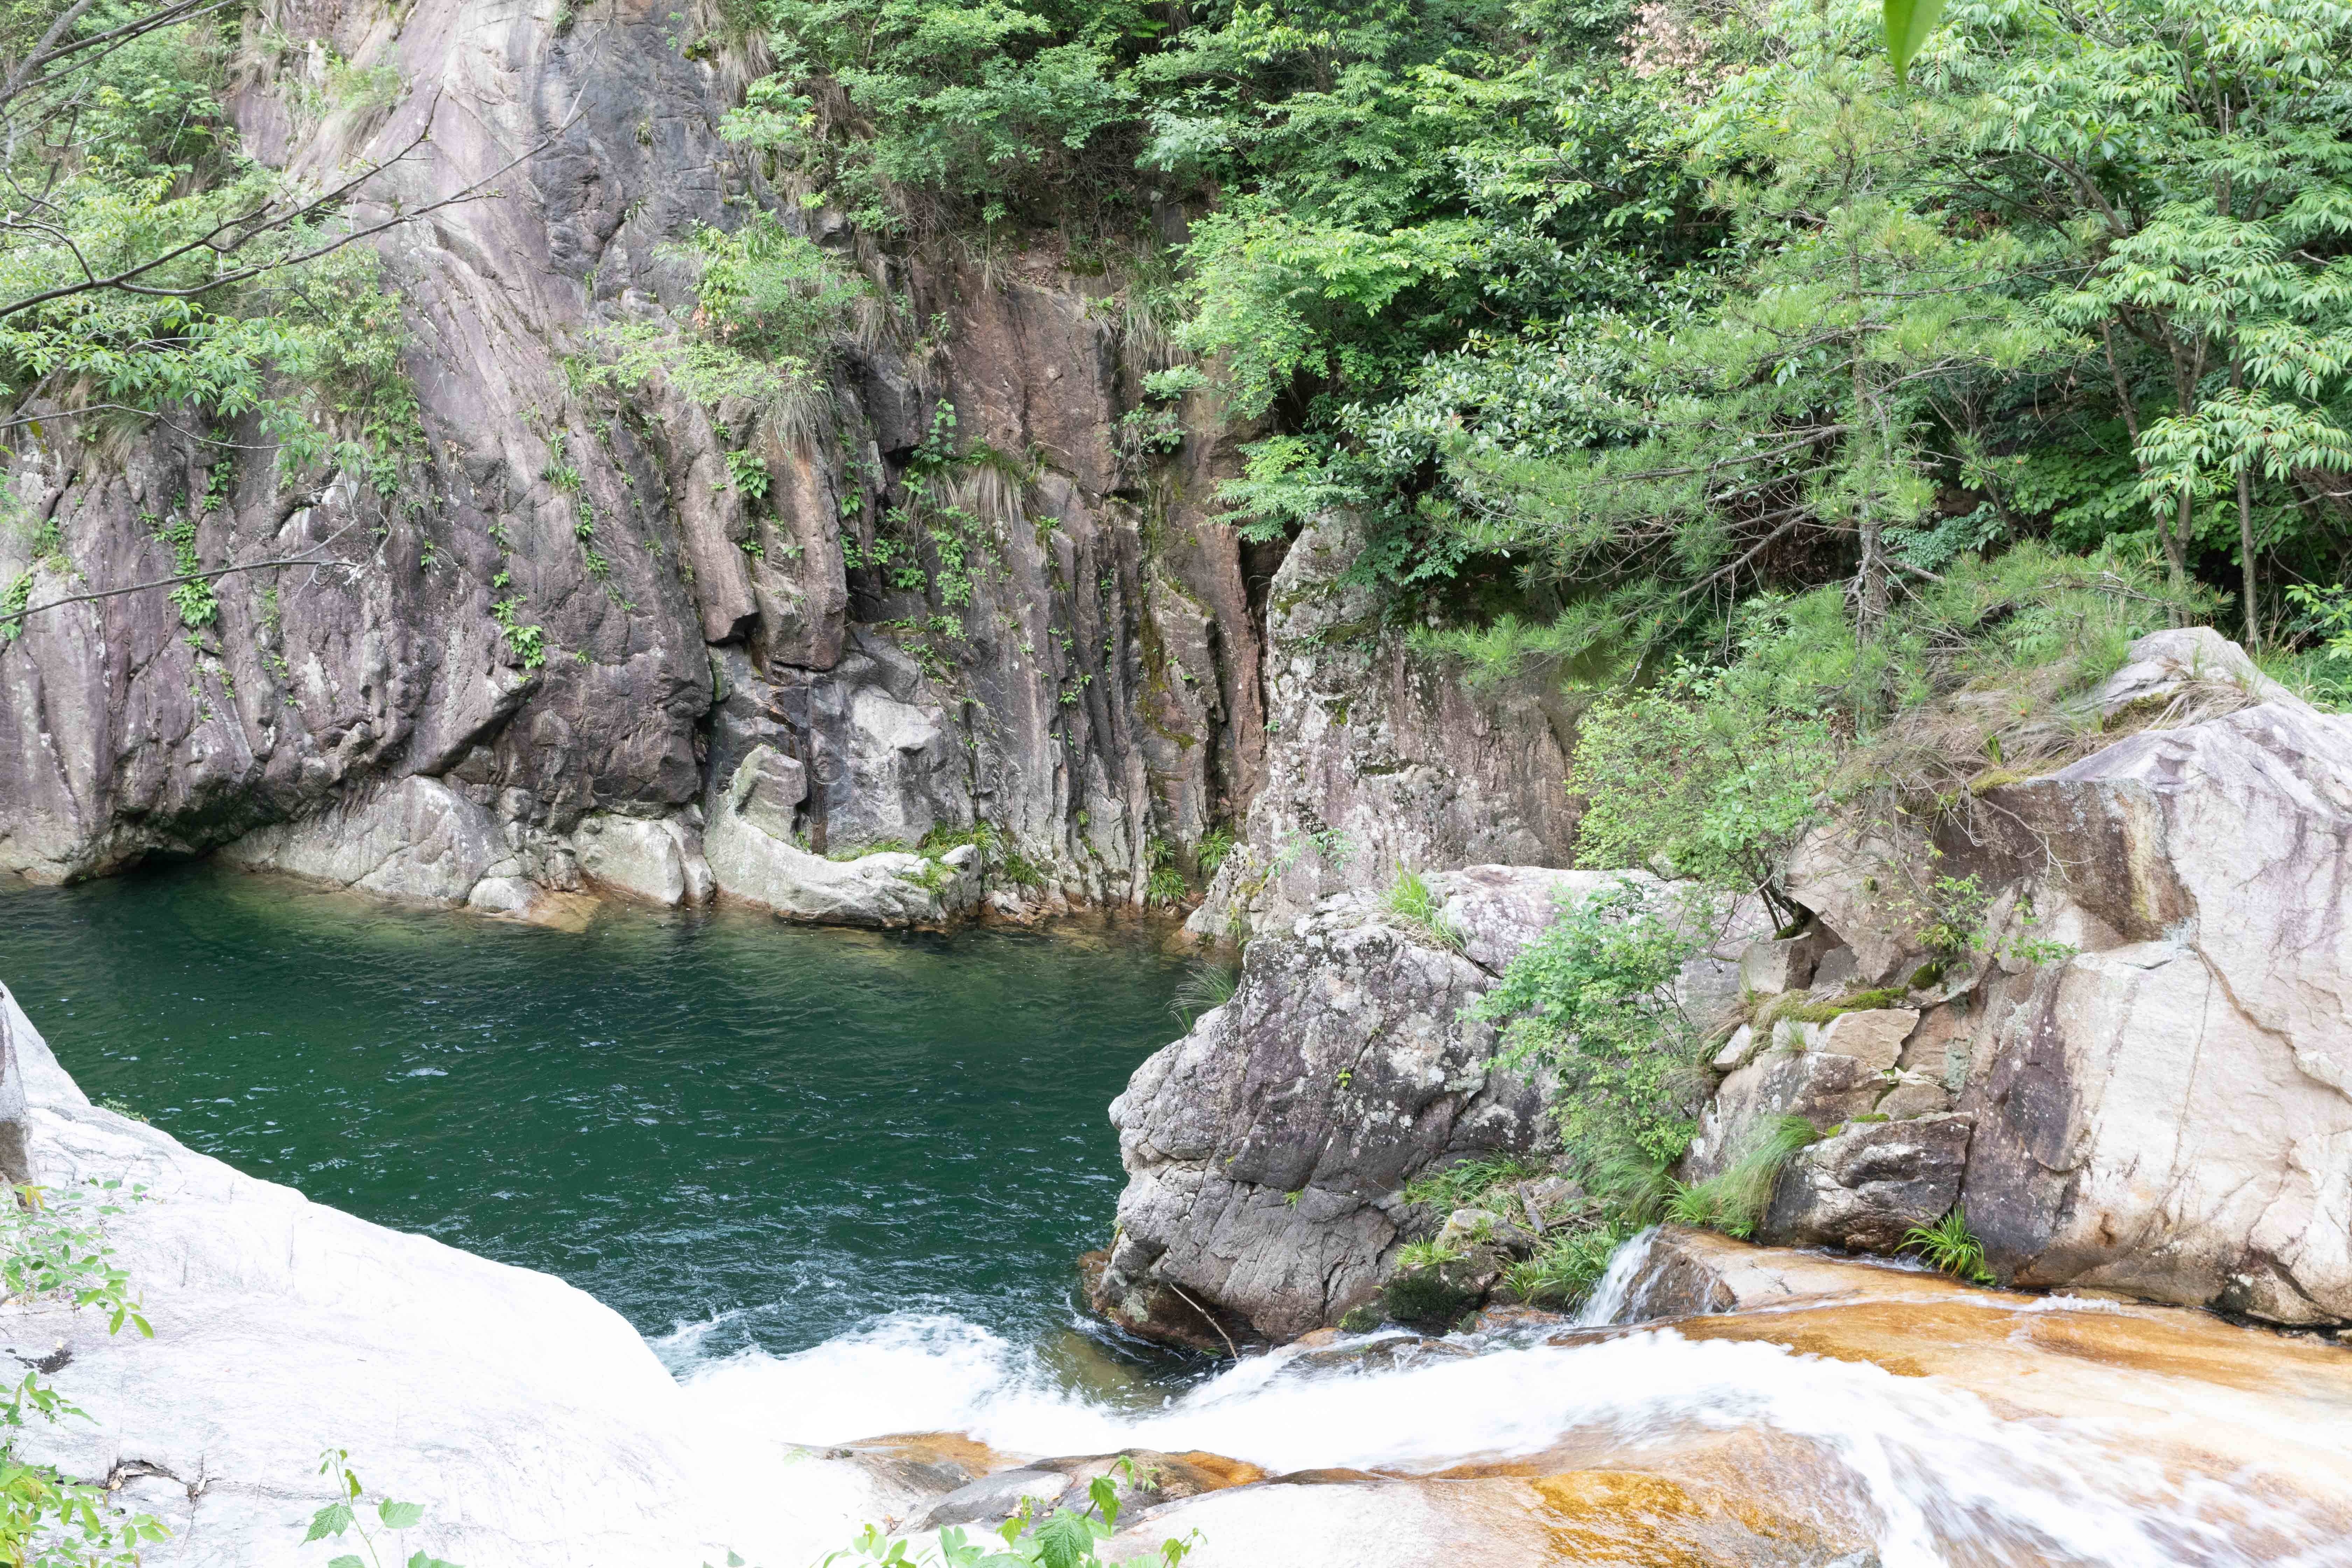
1940, 1478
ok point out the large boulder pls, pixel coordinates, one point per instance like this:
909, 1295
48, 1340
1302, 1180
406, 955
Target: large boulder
1267, 1150
2170, 1111
1868, 1187
655, 859
2151, 1040
418, 839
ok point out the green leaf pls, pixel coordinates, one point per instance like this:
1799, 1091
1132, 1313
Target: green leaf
1064, 1540
347, 1560
1909, 23
400, 1515
332, 1520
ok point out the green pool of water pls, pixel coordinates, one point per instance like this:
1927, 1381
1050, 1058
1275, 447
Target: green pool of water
788, 1130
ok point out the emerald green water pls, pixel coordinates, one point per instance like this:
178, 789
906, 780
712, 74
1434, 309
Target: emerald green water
782, 1131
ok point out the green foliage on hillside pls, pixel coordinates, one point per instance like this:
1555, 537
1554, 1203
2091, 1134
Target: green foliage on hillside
1609, 318
147, 263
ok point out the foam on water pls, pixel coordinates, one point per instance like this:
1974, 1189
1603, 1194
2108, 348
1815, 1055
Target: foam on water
1942, 1478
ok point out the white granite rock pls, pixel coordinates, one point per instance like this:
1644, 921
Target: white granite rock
535, 1424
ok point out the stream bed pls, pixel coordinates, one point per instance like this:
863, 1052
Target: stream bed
839, 1179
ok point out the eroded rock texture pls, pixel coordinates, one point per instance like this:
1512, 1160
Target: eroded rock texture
1091, 694
1267, 1150
2161, 1101
1377, 757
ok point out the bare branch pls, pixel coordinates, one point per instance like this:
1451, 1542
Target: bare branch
309, 559
121, 281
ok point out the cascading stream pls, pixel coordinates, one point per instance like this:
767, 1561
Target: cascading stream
862, 1166
1930, 1473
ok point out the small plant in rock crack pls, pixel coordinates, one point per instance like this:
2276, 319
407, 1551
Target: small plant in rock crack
348, 1517
1064, 1538
1950, 1246
1208, 987
1415, 904
748, 473
1215, 846
1733, 1200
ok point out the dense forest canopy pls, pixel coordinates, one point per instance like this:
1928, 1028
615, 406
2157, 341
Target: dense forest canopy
1639, 299
1692, 342
1683, 342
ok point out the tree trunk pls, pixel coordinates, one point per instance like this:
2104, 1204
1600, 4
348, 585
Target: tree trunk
2246, 559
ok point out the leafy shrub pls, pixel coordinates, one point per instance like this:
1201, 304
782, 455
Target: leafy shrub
56, 1247
1592, 1001
1693, 771
770, 305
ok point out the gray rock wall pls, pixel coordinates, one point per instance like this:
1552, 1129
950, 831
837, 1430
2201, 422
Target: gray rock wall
1267, 1150
1096, 693
1378, 757
1101, 700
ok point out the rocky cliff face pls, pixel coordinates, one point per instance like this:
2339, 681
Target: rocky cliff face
1095, 692
2105, 1025
1376, 758
542, 658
